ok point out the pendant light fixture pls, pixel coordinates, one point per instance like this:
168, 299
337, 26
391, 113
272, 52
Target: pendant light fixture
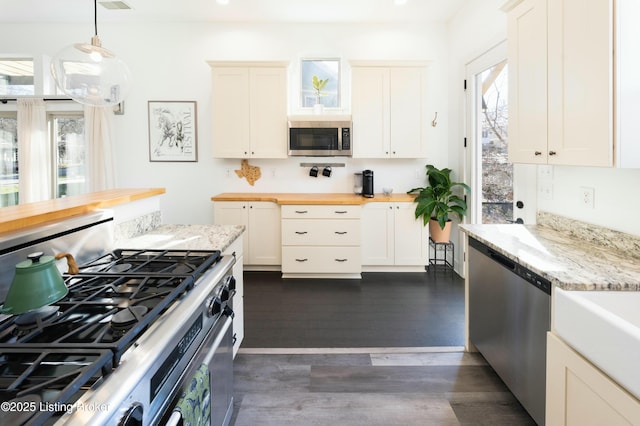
91, 74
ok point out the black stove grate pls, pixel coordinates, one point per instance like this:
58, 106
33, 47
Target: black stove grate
40, 384
173, 262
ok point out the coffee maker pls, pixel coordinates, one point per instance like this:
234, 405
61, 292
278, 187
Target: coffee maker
367, 183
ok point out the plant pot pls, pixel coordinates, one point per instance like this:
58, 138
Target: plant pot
318, 108
438, 234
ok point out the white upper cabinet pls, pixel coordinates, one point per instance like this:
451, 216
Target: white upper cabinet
571, 100
249, 110
527, 52
388, 111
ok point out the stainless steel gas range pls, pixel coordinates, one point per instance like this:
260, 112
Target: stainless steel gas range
143, 337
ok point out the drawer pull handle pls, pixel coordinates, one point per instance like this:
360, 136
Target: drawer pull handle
301, 232
341, 232
341, 260
301, 212
340, 211
301, 260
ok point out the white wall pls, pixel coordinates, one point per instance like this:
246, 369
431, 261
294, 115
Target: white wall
168, 62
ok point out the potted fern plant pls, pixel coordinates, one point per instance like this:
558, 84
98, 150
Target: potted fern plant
436, 202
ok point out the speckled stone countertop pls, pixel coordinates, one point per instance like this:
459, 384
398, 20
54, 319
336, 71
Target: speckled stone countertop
187, 237
572, 255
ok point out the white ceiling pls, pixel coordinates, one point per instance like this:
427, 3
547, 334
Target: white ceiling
235, 11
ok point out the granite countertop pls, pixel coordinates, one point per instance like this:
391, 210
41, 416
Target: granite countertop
186, 237
572, 255
334, 198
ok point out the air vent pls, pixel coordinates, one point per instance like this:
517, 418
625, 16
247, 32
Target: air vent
114, 5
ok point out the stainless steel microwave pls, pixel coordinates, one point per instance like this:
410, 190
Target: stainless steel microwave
320, 136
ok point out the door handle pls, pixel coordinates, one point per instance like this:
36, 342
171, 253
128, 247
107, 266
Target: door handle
301, 260
340, 232
341, 260
301, 232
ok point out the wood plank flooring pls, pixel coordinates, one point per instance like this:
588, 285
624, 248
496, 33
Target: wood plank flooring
384, 350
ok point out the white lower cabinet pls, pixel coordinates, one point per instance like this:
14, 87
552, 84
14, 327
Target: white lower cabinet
262, 228
238, 299
321, 240
392, 236
579, 394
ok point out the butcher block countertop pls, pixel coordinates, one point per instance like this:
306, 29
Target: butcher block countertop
14, 218
283, 198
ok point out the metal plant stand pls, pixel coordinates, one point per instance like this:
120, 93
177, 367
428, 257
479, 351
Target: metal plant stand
440, 253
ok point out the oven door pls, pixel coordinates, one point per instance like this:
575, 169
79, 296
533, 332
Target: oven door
206, 388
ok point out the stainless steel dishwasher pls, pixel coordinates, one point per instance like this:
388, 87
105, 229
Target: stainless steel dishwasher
509, 316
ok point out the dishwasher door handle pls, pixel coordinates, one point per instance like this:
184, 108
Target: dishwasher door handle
503, 260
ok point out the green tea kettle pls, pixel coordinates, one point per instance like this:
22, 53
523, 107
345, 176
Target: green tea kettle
37, 283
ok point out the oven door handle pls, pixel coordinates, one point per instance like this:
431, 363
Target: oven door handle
216, 343
176, 416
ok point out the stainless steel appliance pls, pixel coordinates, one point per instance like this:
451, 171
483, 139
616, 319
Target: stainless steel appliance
125, 343
509, 316
320, 136
367, 184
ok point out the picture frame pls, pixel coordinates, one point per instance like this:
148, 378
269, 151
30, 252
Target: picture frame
173, 131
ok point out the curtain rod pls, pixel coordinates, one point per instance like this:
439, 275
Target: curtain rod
5, 100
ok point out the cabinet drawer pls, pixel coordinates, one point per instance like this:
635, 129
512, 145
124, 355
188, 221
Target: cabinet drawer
318, 232
320, 212
303, 260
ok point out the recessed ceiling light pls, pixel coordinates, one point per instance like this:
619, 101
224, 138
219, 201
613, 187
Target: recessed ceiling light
400, 2
222, 1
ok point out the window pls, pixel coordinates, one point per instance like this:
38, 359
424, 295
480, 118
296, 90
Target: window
16, 77
322, 69
8, 160
67, 138
67, 135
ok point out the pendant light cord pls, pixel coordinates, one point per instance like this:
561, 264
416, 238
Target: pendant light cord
95, 16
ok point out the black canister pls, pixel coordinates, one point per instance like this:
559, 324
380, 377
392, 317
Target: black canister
367, 183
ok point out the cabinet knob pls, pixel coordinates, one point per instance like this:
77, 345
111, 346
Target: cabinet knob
552, 153
537, 153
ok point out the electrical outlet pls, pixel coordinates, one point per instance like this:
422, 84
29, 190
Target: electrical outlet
587, 196
228, 173
545, 172
418, 173
545, 191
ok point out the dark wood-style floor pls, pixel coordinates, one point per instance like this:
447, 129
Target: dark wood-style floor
384, 350
380, 310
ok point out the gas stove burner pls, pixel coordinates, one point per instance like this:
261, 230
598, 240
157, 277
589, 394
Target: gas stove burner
28, 406
127, 318
120, 268
32, 318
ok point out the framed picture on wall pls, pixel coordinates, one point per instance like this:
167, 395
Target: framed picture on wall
173, 131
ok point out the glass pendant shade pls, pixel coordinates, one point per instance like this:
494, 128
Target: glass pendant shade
91, 74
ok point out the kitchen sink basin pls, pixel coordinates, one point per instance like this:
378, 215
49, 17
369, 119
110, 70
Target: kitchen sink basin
604, 327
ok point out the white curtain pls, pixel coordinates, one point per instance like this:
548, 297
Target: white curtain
98, 125
34, 152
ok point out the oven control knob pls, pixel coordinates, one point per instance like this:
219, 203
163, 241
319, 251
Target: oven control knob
133, 416
215, 307
228, 311
231, 283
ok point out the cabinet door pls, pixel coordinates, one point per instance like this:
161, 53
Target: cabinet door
579, 394
527, 55
370, 112
407, 123
234, 213
230, 112
377, 234
264, 235
268, 112
411, 237
580, 66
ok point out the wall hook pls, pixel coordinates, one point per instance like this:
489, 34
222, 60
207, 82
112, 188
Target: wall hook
434, 122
